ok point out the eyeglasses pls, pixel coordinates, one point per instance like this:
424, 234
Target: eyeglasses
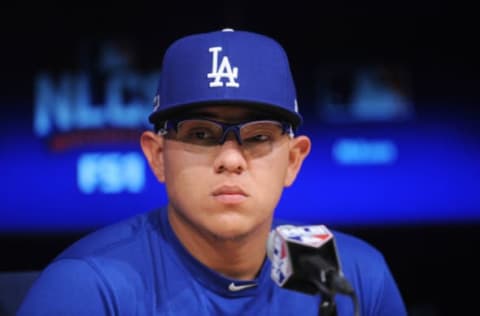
256, 137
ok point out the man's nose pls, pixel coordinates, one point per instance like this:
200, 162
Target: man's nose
230, 157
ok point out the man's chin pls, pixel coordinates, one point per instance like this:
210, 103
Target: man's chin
230, 237
231, 231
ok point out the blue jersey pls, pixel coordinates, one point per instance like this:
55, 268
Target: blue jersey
139, 267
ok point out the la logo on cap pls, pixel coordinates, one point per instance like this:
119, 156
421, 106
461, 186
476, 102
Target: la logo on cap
224, 70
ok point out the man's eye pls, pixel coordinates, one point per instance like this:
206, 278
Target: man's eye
258, 138
200, 134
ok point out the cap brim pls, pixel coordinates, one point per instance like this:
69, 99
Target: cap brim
276, 112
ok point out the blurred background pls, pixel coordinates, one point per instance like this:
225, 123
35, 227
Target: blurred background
389, 93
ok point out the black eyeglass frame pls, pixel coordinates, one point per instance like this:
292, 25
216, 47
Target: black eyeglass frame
287, 128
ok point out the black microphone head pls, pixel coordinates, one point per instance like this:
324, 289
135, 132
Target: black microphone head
303, 257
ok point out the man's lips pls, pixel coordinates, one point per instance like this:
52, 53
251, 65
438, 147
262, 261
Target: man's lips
229, 194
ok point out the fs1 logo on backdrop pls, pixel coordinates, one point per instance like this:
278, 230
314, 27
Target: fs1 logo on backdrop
72, 110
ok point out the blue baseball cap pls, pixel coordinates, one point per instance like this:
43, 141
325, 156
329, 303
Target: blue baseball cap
226, 67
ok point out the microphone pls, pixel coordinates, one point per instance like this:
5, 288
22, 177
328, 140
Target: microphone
305, 259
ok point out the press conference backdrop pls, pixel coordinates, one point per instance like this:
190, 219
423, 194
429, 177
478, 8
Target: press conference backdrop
71, 159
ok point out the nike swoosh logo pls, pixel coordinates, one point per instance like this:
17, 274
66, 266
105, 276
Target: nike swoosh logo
234, 288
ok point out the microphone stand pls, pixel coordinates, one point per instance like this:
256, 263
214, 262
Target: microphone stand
320, 276
328, 307
328, 282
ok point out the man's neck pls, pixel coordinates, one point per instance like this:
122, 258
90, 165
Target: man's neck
239, 258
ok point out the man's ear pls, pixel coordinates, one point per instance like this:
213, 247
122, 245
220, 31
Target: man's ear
152, 146
299, 149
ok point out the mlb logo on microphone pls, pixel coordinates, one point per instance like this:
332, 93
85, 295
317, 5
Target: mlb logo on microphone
281, 265
313, 236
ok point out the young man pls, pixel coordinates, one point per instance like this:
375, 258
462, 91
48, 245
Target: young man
224, 146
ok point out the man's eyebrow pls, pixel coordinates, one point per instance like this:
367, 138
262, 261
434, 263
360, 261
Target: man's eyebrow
203, 114
222, 116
